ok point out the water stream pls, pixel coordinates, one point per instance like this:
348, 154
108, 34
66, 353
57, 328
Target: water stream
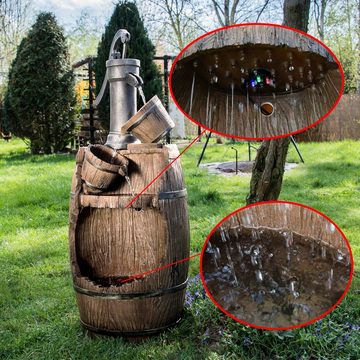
130, 185
142, 95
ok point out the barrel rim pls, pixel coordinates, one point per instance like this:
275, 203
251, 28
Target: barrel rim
145, 332
131, 296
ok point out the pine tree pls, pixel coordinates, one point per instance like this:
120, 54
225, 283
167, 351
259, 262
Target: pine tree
126, 16
40, 99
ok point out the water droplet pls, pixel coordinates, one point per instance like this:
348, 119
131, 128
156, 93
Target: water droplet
287, 87
340, 256
217, 253
214, 79
323, 252
330, 279
254, 234
291, 68
130, 185
241, 107
224, 234
195, 64
239, 250
292, 287
259, 275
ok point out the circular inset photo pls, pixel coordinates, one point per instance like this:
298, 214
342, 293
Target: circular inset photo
276, 265
256, 81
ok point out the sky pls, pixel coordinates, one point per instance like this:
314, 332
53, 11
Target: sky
68, 11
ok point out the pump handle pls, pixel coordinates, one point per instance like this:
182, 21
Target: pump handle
124, 36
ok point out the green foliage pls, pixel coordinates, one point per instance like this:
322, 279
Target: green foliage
342, 36
40, 99
126, 16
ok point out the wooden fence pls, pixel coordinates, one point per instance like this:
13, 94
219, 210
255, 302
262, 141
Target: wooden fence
343, 123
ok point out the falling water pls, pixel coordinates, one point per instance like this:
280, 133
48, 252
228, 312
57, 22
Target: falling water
227, 113
207, 107
232, 124
231, 264
292, 289
254, 234
330, 279
239, 250
259, 275
224, 234
130, 185
192, 94
323, 252
142, 95
269, 291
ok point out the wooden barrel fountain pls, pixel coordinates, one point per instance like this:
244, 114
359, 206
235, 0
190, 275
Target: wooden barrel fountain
110, 243
256, 81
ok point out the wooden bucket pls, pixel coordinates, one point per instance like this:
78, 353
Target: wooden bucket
102, 166
150, 123
109, 243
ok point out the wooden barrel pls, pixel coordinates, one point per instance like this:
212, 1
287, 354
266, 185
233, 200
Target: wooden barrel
150, 123
110, 243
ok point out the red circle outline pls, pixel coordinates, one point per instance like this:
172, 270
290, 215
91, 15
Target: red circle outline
261, 138
276, 328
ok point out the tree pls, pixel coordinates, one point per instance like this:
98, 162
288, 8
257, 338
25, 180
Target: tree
126, 16
269, 165
40, 97
181, 20
84, 36
13, 23
230, 12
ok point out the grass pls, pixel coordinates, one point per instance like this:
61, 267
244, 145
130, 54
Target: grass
38, 313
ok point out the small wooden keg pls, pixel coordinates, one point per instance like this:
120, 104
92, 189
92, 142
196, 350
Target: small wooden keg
150, 123
110, 243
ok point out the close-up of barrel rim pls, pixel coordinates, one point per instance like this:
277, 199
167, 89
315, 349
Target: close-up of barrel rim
286, 203
223, 105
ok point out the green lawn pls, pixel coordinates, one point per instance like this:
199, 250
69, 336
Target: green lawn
38, 313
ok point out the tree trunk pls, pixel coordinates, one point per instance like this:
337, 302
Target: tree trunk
269, 166
268, 170
296, 14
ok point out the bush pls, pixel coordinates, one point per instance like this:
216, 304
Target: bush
40, 99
